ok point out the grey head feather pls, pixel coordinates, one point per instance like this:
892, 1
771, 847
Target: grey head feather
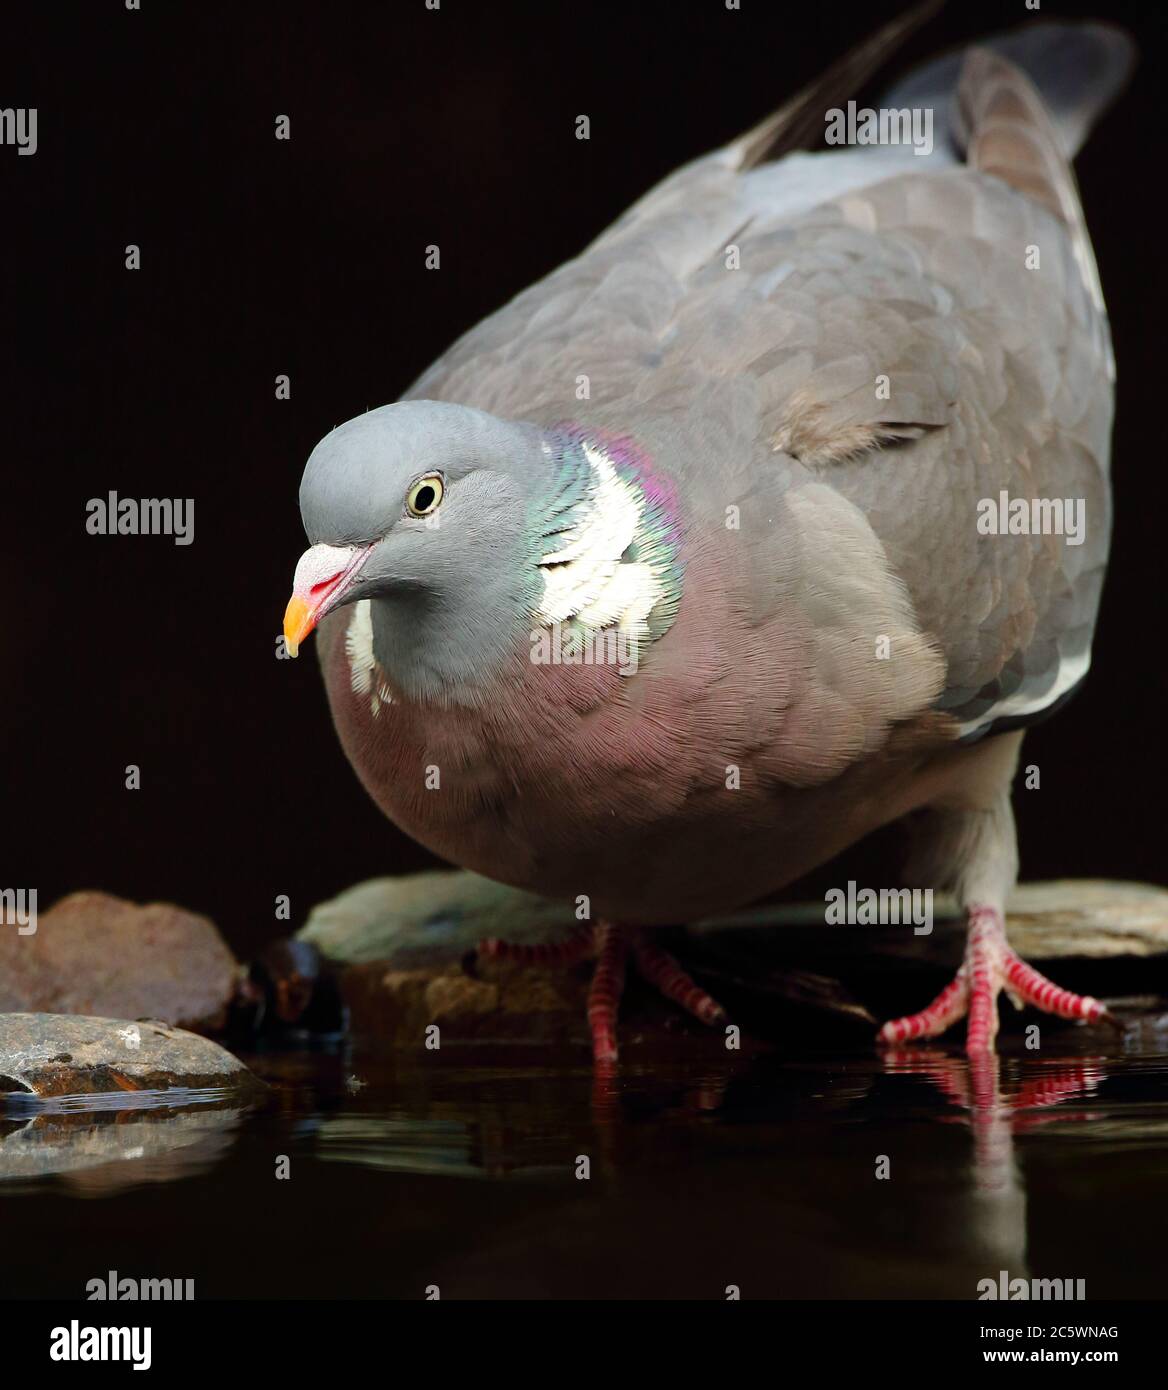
452, 595
356, 479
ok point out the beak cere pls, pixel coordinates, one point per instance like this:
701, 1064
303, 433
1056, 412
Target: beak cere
323, 575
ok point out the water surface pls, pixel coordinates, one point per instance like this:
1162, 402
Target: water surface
491, 1177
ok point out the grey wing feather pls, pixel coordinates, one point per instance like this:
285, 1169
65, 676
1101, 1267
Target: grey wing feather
854, 266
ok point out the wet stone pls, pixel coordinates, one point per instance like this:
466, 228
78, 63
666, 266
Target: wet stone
58, 1055
406, 957
499, 1001
100, 955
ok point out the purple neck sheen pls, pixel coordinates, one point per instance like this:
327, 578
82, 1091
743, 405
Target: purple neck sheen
631, 461
657, 542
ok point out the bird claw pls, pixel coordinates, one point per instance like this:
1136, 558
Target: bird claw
614, 944
990, 967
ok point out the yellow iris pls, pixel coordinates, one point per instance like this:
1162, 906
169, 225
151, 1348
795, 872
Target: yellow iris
425, 495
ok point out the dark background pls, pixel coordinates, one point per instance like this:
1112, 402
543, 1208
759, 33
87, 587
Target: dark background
305, 257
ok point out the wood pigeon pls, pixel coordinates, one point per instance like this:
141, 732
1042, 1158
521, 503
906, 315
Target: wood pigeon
776, 515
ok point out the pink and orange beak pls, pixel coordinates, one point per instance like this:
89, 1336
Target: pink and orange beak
323, 575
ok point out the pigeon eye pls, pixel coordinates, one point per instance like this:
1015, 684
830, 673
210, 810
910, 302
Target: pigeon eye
425, 495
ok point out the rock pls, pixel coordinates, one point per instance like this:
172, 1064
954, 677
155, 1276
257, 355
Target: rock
421, 920
459, 997
59, 1055
1087, 917
500, 1001
1065, 919
506, 1002
95, 954
410, 947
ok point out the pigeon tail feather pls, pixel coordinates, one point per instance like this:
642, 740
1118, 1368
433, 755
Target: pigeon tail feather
1078, 70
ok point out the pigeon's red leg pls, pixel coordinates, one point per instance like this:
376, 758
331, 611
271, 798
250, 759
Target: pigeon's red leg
608, 985
984, 942
612, 943
548, 953
1033, 988
945, 1010
990, 966
663, 972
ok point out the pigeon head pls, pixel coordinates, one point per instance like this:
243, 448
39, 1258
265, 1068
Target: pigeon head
440, 514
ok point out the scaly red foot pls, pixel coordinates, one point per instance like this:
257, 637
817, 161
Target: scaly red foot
990, 966
613, 945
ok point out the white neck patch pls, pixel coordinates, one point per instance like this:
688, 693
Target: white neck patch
365, 674
585, 578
